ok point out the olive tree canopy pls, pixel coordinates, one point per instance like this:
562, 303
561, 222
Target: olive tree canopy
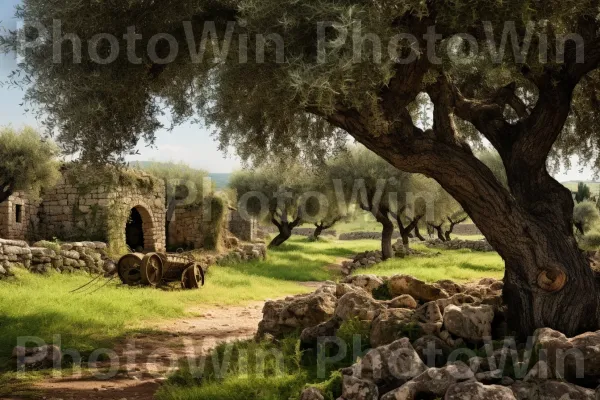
27, 162
535, 105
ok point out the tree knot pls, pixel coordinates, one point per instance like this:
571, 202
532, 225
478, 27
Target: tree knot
552, 280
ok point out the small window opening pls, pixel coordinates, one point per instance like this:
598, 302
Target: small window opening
18, 213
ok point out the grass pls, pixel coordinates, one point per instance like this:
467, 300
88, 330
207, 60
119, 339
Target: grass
457, 265
41, 306
301, 260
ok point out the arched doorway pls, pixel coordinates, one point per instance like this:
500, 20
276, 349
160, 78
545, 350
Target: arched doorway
138, 231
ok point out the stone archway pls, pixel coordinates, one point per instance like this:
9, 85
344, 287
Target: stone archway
139, 230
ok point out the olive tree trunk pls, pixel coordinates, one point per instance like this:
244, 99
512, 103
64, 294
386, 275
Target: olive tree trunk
387, 233
285, 230
418, 233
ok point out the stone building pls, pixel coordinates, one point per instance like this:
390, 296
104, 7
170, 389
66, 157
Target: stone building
18, 216
123, 208
120, 208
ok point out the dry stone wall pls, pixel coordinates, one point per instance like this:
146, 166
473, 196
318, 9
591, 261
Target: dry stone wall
476, 245
42, 258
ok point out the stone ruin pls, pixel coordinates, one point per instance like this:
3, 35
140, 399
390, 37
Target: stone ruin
127, 213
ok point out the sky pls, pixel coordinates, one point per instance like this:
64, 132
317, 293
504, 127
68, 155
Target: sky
187, 143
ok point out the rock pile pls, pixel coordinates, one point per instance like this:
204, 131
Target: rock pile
68, 257
369, 258
475, 245
362, 260
245, 252
439, 340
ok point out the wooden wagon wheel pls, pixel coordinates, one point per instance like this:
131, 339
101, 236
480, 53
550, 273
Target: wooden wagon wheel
193, 277
152, 269
129, 268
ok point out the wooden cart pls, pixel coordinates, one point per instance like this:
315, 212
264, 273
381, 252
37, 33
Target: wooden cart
154, 269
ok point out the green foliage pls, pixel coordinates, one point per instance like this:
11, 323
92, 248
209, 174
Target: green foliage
351, 330
214, 225
27, 162
182, 181
590, 241
382, 293
585, 216
366, 181
87, 177
583, 192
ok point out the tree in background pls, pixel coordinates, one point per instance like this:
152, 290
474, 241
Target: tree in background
273, 193
585, 215
27, 162
300, 98
367, 181
447, 212
583, 192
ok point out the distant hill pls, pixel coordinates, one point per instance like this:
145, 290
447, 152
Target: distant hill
221, 179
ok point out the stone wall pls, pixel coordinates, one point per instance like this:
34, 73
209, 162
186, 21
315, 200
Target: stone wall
100, 213
243, 228
18, 217
476, 245
365, 235
185, 229
43, 257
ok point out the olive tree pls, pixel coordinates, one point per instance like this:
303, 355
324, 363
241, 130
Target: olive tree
364, 179
585, 215
27, 162
534, 103
275, 194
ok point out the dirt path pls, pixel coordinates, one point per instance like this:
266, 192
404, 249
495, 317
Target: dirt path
142, 362
145, 359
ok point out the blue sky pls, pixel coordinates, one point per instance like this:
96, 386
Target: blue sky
187, 143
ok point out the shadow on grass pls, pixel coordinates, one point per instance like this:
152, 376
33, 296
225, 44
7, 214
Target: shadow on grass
44, 328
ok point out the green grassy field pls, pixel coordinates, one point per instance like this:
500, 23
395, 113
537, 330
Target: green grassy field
457, 265
42, 306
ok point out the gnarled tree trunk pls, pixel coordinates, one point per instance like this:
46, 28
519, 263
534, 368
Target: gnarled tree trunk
387, 233
418, 233
285, 229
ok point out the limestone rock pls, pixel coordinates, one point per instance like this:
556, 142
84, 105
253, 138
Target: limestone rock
551, 390
584, 349
390, 325
344, 288
358, 389
404, 301
432, 383
367, 282
356, 305
478, 391
397, 362
311, 393
326, 329
404, 284
433, 351
471, 323
308, 311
